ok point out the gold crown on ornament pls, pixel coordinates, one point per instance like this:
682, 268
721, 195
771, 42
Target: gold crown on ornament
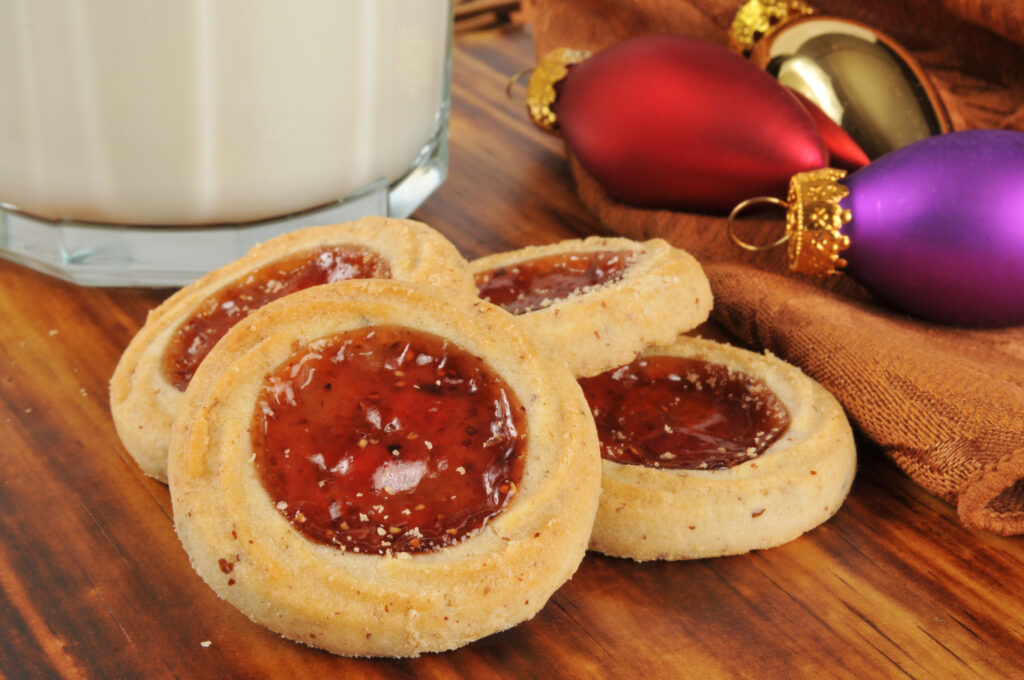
814, 221
540, 89
758, 18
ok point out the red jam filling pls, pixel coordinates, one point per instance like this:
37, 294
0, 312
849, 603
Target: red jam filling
683, 413
197, 335
534, 284
386, 440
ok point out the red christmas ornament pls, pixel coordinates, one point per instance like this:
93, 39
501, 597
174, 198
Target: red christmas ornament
676, 122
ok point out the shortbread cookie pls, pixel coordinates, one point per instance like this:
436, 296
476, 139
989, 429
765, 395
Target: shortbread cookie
713, 450
148, 385
377, 468
598, 302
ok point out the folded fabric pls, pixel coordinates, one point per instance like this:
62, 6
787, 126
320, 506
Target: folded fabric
946, 404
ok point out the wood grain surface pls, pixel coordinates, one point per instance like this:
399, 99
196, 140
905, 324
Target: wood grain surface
94, 584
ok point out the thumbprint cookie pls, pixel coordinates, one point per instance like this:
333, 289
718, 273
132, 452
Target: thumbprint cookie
378, 468
712, 450
148, 386
598, 302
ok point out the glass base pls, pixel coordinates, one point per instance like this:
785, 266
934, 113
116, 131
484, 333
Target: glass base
157, 257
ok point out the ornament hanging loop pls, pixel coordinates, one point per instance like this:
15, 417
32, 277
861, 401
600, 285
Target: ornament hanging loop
513, 81
740, 207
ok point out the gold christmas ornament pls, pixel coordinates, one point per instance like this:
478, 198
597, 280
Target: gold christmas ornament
859, 77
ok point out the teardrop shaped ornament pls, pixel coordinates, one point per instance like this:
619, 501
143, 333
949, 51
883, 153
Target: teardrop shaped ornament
935, 228
858, 76
670, 121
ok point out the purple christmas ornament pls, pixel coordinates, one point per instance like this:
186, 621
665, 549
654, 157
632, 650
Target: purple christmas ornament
937, 227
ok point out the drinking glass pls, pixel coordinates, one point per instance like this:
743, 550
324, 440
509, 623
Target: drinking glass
145, 142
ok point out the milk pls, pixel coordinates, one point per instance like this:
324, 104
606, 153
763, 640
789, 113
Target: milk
199, 112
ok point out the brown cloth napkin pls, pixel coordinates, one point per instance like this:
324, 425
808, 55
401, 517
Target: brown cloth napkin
946, 404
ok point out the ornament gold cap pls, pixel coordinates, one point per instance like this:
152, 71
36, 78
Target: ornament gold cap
540, 89
814, 221
758, 18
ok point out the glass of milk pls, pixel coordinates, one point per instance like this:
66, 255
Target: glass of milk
145, 142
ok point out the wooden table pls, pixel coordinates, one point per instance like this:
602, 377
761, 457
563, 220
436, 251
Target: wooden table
94, 584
